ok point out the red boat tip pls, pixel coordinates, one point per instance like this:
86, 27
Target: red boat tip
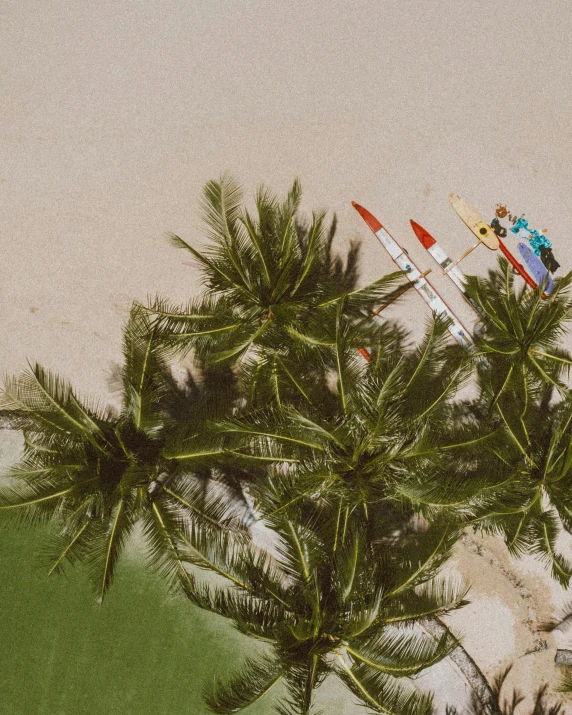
365, 353
424, 236
371, 221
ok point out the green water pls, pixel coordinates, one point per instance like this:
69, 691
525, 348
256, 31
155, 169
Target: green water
143, 652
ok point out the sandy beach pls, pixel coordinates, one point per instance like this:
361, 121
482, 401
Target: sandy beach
113, 116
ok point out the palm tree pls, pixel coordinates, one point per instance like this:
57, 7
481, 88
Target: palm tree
519, 336
529, 498
274, 289
512, 477
322, 609
521, 486
97, 474
386, 431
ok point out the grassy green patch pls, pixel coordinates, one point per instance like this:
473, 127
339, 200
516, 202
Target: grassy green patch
142, 652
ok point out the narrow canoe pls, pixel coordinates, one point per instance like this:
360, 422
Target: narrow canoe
413, 274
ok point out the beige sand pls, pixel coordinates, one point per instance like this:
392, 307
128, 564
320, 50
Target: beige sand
114, 114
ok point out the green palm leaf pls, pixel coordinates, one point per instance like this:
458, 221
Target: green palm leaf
47, 403
107, 542
381, 692
394, 655
256, 677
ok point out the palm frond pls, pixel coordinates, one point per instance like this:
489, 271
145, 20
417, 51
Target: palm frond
399, 653
35, 493
47, 403
251, 683
143, 371
107, 542
433, 598
383, 693
70, 545
161, 524
422, 556
545, 528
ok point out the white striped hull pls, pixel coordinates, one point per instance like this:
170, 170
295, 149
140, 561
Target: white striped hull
425, 290
454, 273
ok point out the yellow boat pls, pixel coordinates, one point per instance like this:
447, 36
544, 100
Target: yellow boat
472, 219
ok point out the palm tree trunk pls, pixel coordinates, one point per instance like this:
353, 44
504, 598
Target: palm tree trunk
479, 685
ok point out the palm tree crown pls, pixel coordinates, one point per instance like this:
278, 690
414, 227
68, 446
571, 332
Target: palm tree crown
322, 610
386, 429
520, 335
274, 290
98, 474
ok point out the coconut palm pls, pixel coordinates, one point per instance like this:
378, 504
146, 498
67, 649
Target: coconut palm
98, 474
388, 430
274, 287
519, 335
530, 501
348, 610
517, 479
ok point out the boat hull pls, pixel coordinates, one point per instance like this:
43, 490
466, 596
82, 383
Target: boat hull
439, 254
474, 221
414, 275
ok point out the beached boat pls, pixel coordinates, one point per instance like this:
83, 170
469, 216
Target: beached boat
486, 235
474, 222
414, 275
438, 253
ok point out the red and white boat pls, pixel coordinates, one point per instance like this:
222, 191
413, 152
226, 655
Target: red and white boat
414, 275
